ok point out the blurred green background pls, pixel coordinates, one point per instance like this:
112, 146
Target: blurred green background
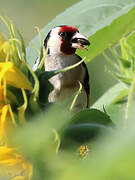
27, 14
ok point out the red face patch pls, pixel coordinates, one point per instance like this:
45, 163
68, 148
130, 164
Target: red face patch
66, 33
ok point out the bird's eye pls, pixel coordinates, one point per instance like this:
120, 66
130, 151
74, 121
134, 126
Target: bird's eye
62, 34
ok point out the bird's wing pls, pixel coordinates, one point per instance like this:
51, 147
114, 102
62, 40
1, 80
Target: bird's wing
86, 83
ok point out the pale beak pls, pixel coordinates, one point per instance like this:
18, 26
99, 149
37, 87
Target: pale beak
79, 41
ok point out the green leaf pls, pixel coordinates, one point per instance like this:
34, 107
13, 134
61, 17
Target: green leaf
22, 108
36, 135
124, 79
34, 95
22, 44
124, 49
131, 98
85, 125
91, 116
104, 21
11, 97
121, 96
131, 41
116, 112
45, 87
125, 63
112, 31
111, 157
110, 96
80, 134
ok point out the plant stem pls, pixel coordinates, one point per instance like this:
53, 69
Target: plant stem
130, 98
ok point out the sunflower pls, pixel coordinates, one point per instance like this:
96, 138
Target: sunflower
12, 164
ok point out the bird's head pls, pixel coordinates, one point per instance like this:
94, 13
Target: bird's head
65, 39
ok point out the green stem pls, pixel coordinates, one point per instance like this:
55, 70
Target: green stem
69, 67
41, 43
110, 61
76, 96
130, 98
57, 140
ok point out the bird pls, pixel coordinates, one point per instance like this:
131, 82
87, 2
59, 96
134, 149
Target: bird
62, 42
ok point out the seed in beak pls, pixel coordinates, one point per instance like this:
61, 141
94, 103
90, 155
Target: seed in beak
83, 41
80, 43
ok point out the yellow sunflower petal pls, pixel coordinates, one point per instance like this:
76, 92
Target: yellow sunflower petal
6, 154
19, 178
7, 122
1, 41
3, 116
1, 93
4, 67
13, 165
14, 76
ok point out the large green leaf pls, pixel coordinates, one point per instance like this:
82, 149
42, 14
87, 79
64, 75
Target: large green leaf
121, 24
112, 157
113, 95
117, 113
105, 21
131, 41
91, 116
84, 127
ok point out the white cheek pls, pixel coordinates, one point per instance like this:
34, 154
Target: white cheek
54, 42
